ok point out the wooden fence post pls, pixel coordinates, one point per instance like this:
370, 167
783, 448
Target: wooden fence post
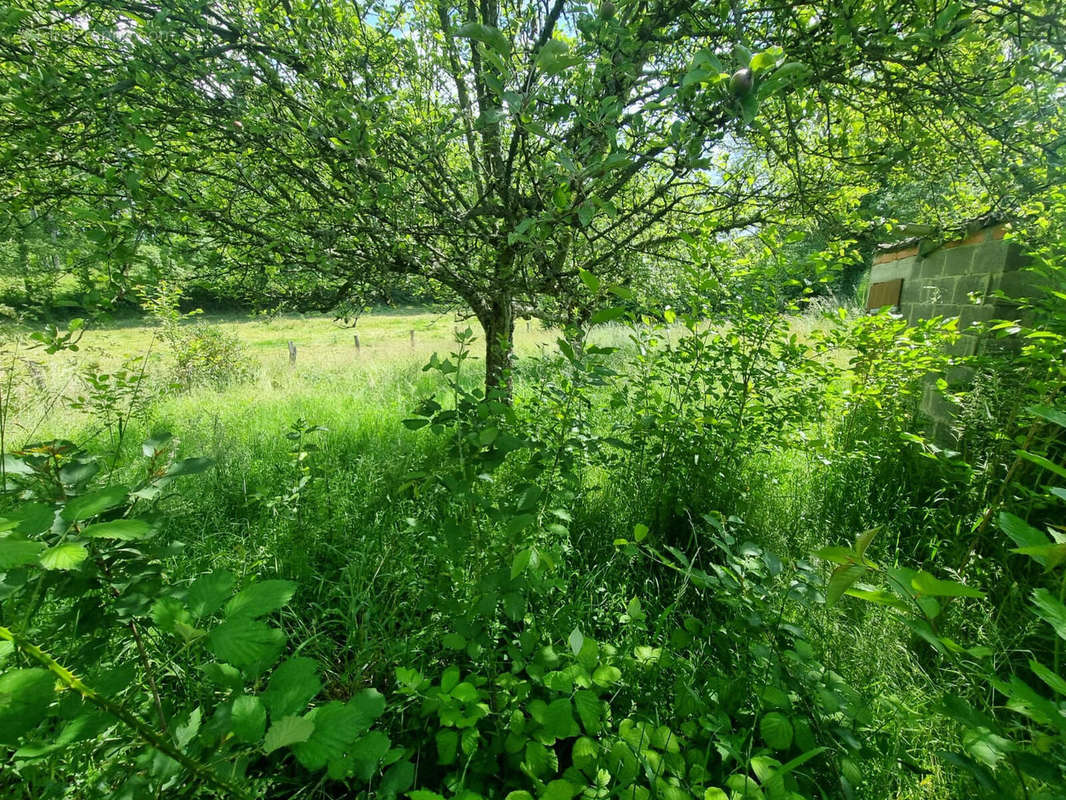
292, 353
412, 337
357, 343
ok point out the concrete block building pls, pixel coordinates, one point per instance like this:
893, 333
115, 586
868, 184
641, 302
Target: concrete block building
956, 274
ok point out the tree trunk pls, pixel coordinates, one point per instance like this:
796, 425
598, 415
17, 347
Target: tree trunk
498, 324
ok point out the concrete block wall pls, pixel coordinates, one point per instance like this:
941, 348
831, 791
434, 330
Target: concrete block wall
955, 279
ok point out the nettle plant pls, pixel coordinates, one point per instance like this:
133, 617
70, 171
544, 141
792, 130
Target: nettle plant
706, 389
1012, 717
302, 471
146, 685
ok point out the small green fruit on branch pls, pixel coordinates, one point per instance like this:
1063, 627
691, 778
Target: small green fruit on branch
741, 82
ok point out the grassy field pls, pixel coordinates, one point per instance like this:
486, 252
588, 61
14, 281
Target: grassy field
328, 363
320, 340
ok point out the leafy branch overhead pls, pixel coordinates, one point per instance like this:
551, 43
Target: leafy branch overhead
493, 149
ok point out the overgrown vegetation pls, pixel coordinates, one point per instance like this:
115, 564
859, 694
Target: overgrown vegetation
613, 585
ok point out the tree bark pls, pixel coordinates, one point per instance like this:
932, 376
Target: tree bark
498, 323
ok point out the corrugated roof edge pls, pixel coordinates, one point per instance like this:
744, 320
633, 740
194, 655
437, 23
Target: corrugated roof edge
934, 237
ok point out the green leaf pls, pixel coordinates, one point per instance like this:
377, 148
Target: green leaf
838, 554
554, 57
1051, 611
1054, 681
930, 586
18, 552
776, 731
576, 640
559, 720
646, 655
560, 789
366, 706
29, 519
82, 728
539, 760
208, 592
1054, 415
590, 709
863, 541
841, 580
286, 732
590, 280
764, 767
798, 762
879, 596
187, 726
447, 746
189, 466
622, 764
1021, 532
486, 34
765, 60
168, 613
1040, 461
749, 107
584, 754
635, 610
1049, 555
337, 726
606, 675
93, 503
465, 692
453, 641
606, 315
64, 556
248, 718
367, 753
223, 675
449, 679
246, 643
261, 598
520, 562
291, 686
397, 778
744, 787
25, 695
123, 529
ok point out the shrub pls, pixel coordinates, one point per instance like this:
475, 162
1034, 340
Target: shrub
203, 354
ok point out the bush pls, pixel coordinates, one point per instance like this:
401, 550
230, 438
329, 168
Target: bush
204, 354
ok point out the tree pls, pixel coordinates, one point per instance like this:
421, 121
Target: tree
499, 149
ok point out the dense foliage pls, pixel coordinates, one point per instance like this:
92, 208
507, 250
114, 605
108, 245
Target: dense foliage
582, 592
498, 149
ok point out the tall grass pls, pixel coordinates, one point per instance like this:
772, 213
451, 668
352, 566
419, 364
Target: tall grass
361, 542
